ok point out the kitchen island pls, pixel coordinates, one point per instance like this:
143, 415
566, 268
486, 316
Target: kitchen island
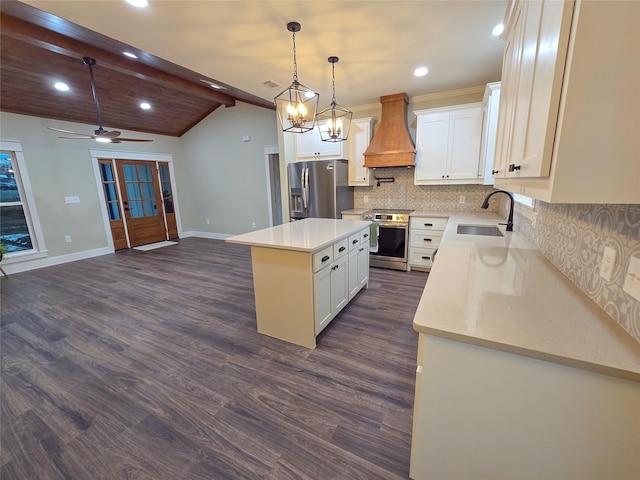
304, 273
519, 373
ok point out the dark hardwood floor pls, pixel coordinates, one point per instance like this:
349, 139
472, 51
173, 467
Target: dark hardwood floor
147, 365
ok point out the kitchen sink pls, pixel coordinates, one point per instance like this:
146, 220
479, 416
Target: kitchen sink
487, 230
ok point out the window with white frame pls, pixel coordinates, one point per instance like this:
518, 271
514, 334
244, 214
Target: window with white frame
20, 231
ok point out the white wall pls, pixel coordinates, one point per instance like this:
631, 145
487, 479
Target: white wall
226, 177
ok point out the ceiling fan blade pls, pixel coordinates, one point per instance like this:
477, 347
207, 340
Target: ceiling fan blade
86, 137
70, 132
120, 139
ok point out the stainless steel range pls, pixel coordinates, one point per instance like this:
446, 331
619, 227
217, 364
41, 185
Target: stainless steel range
390, 238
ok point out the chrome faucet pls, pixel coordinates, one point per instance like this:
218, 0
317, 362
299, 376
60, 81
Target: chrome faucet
485, 205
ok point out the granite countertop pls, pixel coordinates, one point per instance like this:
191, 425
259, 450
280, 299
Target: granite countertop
502, 293
308, 235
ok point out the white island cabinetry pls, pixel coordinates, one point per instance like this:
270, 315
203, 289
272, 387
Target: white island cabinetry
301, 275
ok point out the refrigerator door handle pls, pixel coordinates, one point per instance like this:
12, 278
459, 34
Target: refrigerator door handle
306, 187
302, 188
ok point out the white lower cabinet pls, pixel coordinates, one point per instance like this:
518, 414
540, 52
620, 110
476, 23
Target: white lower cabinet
340, 277
425, 234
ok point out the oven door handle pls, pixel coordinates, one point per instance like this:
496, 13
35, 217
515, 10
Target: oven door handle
392, 225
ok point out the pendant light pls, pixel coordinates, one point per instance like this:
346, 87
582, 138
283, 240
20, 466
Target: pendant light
296, 106
334, 121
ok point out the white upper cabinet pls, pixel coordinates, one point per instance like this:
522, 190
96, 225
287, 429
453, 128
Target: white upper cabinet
309, 146
448, 145
360, 134
490, 108
569, 111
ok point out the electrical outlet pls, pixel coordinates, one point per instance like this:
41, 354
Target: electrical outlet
253, 224
366, 199
462, 199
208, 221
74, 199
608, 262
67, 238
632, 281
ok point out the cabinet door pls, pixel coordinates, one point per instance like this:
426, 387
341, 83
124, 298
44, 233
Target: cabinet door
359, 138
432, 146
322, 298
465, 134
354, 284
339, 284
363, 266
309, 145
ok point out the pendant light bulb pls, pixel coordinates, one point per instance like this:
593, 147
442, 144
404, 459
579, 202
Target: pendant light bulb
296, 106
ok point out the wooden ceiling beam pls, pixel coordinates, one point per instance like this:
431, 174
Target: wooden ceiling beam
64, 45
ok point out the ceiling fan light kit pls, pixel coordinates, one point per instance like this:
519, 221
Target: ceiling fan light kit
99, 134
296, 105
334, 121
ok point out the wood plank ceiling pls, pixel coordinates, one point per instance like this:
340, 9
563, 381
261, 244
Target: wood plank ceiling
37, 49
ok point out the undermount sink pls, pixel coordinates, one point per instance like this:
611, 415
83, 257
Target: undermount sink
487, 230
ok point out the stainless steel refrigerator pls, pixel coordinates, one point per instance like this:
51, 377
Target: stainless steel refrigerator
319, 189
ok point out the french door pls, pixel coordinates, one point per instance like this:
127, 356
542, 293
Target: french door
139, 201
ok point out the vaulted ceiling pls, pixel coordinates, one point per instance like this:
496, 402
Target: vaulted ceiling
243, 46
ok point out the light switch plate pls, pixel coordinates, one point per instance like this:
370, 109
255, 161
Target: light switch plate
74, 199
632, 281
608, 263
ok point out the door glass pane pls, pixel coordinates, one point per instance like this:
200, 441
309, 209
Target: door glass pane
130, 173
114, 211
133, 192
147, 190
107, 172
135, 209
149, 208
145, 173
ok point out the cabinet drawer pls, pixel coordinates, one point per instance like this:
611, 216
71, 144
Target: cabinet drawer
354, 241
421, 257
365, 236
425, 238
340, 248
322, 258
433, 223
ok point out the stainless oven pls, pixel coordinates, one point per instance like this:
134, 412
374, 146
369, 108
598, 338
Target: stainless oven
390, 238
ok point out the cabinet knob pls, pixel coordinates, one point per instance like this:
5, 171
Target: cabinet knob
493, 172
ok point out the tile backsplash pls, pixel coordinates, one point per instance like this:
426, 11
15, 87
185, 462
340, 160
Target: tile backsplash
402, 193
573, 238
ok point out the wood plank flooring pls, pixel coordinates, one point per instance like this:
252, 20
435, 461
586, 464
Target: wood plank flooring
147, 365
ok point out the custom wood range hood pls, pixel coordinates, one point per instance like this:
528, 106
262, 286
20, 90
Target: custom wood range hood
392, 145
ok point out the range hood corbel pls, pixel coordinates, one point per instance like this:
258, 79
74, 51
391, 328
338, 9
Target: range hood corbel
392, 145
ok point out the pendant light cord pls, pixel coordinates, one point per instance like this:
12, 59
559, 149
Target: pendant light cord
333, 76
295, 63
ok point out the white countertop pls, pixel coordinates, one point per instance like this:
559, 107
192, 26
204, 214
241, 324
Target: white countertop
502, 293
308, 235
355, 211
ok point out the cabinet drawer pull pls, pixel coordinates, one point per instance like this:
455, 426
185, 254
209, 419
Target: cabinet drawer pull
428, 224
428, 239
365, 235
341, 249
361, 249
426, 258
354, 242
513, 167
325, 258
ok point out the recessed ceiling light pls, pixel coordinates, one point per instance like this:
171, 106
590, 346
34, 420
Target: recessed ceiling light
145, 105
129, 54
138, 3
421, 71
497, 30
63, 87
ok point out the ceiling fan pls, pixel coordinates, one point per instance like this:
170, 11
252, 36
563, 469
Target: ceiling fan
100, 134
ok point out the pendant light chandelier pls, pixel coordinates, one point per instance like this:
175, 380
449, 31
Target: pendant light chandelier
296, 106
334, 121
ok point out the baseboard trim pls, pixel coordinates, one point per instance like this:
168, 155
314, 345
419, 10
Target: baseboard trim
35, 264
214, 236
